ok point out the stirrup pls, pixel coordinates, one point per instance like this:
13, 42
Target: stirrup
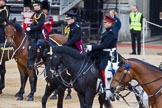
98, 84
101, 89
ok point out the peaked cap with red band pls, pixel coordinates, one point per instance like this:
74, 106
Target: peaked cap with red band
109, 19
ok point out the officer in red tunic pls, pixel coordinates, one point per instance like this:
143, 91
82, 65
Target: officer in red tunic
27, 14
49, 18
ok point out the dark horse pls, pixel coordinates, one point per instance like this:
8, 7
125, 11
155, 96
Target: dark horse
147, 75
83, 72
53, 80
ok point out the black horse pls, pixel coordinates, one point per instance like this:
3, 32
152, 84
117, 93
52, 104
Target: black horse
83, 73
53, 80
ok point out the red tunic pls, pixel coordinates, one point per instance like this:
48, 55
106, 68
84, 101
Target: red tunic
49, 22
26, 19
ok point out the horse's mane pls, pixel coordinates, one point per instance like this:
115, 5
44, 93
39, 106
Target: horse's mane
67, 50
145, 63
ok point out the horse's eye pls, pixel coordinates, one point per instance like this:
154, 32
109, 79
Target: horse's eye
119, 70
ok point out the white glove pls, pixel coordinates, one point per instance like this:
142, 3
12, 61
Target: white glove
89, 47
28, 29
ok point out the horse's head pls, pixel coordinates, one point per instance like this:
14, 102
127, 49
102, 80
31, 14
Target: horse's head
122, 76
50, 59
10, 31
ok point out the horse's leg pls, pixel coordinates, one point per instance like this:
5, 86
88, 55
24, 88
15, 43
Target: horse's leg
23, 78
81, 100
54, 96
2, 76
33, 82
61, 92
89, 97
68, 96
101, 99
48, 92
158, 102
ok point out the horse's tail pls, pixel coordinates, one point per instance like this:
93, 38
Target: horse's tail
107, 104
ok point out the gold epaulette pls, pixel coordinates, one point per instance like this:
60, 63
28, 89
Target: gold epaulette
67, 31
35, 18
4, 9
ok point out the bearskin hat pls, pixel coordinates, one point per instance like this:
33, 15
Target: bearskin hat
45, 5
27, 3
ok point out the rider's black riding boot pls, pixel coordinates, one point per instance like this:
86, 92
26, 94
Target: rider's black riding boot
2, 81
32, 54
2, 76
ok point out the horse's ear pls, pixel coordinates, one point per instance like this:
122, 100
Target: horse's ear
14, 20
122, 59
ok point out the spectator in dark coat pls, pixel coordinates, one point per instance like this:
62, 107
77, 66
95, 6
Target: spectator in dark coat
117, 24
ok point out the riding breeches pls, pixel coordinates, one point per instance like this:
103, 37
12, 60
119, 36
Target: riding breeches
2, 34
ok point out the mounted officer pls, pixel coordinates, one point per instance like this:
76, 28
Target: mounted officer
104, 53
4, 16
73, 32
35, 33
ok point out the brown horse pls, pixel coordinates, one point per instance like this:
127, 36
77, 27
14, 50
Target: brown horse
147, 75
20, 42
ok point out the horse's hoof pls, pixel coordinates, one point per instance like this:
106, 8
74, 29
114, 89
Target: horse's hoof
19, 98
30, 99
1, 92
2, 87
30, 95
68, 97
17, 94
53, 97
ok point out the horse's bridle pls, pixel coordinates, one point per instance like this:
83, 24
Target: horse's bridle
125, 73
12, 36
80, 72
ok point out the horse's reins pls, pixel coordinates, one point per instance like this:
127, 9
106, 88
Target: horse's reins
80, 72
78, 75
19, 46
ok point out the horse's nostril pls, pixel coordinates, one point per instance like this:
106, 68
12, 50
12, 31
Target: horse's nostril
112, 89
109, 79
112, 98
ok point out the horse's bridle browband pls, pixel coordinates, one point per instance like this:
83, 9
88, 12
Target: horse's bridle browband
126, 72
